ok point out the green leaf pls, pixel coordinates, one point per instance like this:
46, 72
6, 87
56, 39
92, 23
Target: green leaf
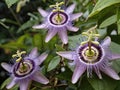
37, 40
10, 2
115, 48
102, 4
6, 82
108, 21
118, 20
103, 84
66, 75
74, 40
53, 63
13, 45
118, 25
22, 38
59, 48
26, 25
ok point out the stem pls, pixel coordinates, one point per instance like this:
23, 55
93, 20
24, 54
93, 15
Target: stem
89, 45
66, 2
15, 16
23, 65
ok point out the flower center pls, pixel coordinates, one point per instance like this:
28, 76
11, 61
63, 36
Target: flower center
90, 57
21, 70
58, 18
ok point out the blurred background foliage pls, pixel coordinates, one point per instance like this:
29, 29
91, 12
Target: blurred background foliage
16, 20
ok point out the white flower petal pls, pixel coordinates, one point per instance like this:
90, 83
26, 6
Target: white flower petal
40, 78
71, 28
43, 12
70, 9
110, 72
50, 35
41, 26
34, 53
97, 71
41, 58
115, 56
79, 70
11, 84
75, 16
63, 35
106, 42
7, 67
66, 54
24, 85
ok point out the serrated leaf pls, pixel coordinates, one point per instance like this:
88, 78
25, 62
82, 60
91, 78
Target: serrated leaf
53, 63
10, 2
109, 21
102, 4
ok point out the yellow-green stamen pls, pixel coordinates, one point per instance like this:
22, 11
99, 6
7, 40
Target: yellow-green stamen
91, 35
19, 55
57, 8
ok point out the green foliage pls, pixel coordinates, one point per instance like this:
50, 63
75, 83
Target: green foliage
10, 2
53, 63
104, 84
109, 21
17, 33
100, 5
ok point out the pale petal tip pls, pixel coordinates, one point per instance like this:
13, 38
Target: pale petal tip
34, 26
6, 66
34, 50
117, 78
47, 40
108, 39
2, 64
10, 85
59, 53
74, 81
46, 82
65, 42
43, 12
37, 27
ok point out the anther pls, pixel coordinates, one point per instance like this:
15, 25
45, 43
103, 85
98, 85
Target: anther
18, 55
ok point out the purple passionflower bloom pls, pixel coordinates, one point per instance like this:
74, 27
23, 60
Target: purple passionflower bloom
99, 61
61, 26
23, 77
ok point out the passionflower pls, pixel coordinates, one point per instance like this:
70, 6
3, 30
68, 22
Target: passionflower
92, 56
58, 21
26, 69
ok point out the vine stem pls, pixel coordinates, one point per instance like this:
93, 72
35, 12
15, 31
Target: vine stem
14, 15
